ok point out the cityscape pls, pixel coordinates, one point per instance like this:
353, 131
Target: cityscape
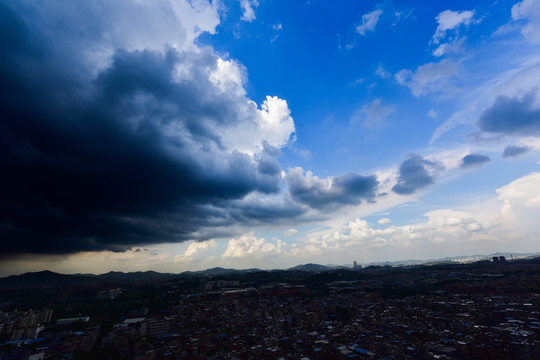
488, 309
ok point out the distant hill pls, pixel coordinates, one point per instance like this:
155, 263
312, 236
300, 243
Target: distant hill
49, 279
310, 267
135, 276
219, 271
44, 279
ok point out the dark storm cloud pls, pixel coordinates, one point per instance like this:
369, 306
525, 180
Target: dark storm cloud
108, 157
415, 173
474, 160
511, 115
347, 189
513, 151
256, 212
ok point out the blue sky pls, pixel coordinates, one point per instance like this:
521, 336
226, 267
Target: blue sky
181, 135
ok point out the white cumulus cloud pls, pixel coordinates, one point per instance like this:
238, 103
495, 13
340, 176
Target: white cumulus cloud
451, 20
528, 10
290, 232
248, 245
195, 250
522, 201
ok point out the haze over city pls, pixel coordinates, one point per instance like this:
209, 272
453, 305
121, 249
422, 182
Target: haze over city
183, 135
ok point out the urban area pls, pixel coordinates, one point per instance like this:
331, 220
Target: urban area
482, 310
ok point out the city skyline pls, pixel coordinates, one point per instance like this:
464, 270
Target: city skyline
184, 135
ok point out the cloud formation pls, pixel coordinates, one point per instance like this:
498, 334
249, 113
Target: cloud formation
474, 160
416, 173
196, 250
429, 78
290, 232
528, 10
347, 189
248, 9
115, 135
451, 20
369, 21
453, 46
375, 113
381, 72
512, 115
248, 245
513, 151
443, 228
521, 203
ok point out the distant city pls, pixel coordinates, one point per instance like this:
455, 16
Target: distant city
486, 309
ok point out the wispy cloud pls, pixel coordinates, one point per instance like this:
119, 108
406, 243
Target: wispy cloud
433, 77
248, 9
369, 21
381, 72
374, 114
290, 232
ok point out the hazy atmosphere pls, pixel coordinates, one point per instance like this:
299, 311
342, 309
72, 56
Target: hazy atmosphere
178, 135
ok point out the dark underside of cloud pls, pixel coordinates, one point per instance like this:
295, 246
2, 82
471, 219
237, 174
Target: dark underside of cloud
474, 160
513, 151
512, 115
127, 156
347, 189
415, 173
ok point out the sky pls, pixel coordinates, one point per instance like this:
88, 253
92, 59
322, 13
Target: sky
176, 135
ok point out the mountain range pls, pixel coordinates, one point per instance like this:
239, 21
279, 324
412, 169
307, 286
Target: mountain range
48, 278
